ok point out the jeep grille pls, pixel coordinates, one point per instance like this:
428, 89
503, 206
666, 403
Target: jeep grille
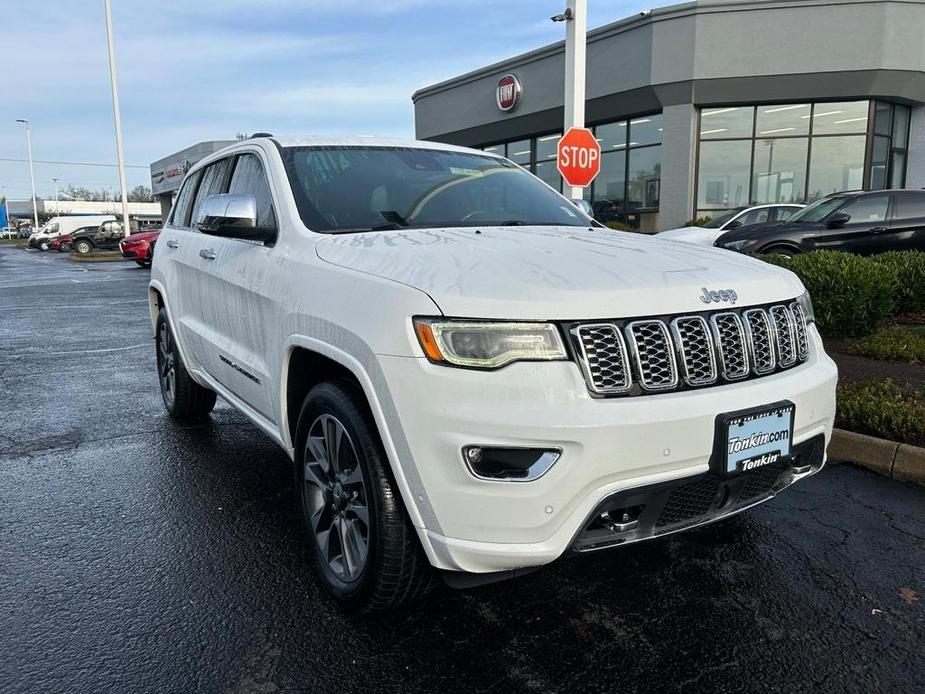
635, 357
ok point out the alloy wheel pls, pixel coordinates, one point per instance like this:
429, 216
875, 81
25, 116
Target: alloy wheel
166, 368
335, 498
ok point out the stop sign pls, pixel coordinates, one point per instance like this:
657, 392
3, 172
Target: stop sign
579, 157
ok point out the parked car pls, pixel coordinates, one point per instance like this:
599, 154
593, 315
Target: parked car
733, 219
102, 238
858, 222
466, 373
58, 226
63, 243
140, 246
9, 233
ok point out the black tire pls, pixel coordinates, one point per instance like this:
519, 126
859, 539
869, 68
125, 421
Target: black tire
142, 263
394, 570
82, 247
782, 251
184, 399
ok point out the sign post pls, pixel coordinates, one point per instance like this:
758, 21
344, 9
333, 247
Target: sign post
576, 26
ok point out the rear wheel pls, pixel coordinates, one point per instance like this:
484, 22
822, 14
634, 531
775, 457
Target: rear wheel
43, 246
83, 247
366, 552
183, 398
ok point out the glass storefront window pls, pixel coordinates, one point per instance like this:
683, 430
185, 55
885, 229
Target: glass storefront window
783, 120
495, 149
519, 152
723, 174
880, 158
644, 187
898, 177
646, 130
546, 146
883, 118
779, 170
840, 118
610, 188
611, 136
900, 126
735, 121
836, 164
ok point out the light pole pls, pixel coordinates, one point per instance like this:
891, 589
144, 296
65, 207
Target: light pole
116, 116
35, 206
57, 210
576, 29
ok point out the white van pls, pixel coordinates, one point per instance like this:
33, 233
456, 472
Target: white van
58, 226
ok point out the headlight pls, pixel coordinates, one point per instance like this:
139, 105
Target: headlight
807, 305
741, 245
487, 345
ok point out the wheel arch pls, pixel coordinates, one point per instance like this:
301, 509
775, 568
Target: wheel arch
309, 361
788, 245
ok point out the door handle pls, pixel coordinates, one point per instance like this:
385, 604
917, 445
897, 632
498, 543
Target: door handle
207, 253
878, 230
172, 244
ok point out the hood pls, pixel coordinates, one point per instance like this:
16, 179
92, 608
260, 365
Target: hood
699, 235
143, 235
556, 273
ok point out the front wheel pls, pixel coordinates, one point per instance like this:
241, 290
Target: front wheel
83, 247
366, 552
183, 398
780, 252
43, 246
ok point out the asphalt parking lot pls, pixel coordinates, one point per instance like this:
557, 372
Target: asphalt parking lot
137, 555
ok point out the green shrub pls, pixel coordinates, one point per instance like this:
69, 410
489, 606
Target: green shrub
620, 226
884, 409
909, 266
698, 222
852, 295
901, 344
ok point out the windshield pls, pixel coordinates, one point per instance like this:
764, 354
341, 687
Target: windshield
717, 222
818, 210
344, 189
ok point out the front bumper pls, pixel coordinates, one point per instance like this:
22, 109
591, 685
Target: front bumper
135, 251
608, 446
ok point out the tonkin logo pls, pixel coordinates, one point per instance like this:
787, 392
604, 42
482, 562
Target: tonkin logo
710, 296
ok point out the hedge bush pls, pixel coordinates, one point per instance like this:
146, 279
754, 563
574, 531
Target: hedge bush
852, 295
884, 409
909, 266
620, 226
901, 344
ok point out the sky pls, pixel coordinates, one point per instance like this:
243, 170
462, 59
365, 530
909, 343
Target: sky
208, 69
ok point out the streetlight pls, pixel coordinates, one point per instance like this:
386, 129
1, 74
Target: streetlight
116, 116
35, 207
57, 211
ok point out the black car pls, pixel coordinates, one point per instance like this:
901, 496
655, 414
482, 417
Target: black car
104, 237
859, 222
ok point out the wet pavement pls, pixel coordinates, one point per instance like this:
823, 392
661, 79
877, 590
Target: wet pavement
137, 555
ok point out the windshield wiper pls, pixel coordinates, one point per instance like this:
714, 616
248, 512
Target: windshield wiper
393, 217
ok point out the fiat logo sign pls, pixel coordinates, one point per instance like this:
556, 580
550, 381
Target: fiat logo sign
508, 93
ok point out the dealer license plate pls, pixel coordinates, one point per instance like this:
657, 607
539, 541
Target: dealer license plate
752, 439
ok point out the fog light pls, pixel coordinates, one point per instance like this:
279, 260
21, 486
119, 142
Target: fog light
509, 464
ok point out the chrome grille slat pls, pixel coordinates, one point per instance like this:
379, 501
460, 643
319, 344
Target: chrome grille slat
696, 353
652, 355
730, 344
604, 358
760, 343
782, 320
802, 338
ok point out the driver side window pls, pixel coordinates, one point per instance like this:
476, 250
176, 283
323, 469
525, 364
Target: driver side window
871, 208
249, 177
214, 180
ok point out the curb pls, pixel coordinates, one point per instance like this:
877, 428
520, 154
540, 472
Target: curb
96, 258
898, 461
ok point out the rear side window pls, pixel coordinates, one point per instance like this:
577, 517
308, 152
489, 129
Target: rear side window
181, 207
249, 177
870, 208
910, 206
214, 180
759, 216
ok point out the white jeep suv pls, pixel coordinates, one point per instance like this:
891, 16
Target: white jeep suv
468, 373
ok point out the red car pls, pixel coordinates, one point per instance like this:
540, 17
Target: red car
61, 243
140, 246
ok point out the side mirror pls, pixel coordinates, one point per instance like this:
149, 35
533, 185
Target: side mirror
232, 215
839, 219
584, 206
735, 224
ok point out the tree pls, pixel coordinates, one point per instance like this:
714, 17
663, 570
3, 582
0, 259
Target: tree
140, 194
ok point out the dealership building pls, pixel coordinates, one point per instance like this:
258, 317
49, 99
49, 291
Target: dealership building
167, 173
706, 106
